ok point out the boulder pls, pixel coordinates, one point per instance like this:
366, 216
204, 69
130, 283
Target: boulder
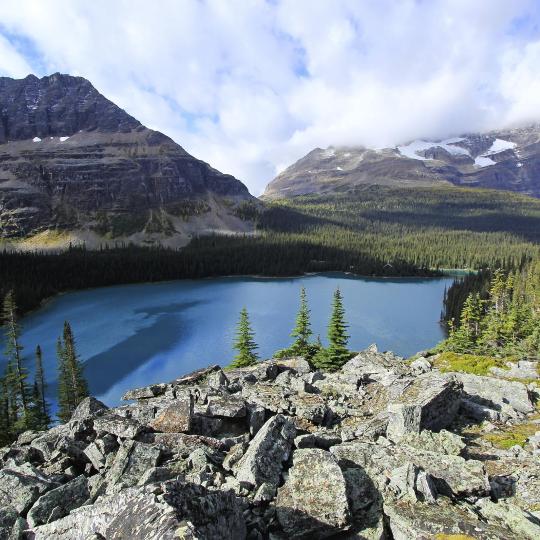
21, 486
521, 523
420, 365
8, 520
176, 417
442, 442
146, 392
431, 402
180, 511
311, 407
508, 397
198, 376
371, 365
132, 460
88, 408
124, 428
313, 501
225, 406
408, 520
317, 440
263, 460
59, 502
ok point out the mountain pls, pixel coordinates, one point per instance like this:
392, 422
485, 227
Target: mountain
507, 160
74, 166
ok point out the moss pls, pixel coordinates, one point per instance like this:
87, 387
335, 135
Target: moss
468, 363
512, 436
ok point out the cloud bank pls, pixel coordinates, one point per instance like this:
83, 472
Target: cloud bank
252, 85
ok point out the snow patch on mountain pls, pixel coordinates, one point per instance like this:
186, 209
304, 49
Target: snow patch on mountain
412, 149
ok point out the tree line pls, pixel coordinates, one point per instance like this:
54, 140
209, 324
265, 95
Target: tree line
500, 313
330, 358
23, 404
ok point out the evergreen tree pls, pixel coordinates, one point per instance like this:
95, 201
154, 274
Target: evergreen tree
42, 416
66, 404
13, 352
244, 343
5, 424
337, 354
72, 386
302, 329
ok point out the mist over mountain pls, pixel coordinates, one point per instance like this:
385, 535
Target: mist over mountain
506, 159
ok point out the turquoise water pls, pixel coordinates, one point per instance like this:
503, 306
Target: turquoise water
134, 335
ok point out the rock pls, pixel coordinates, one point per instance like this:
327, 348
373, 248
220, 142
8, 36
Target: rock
313, 501
125, 428
524, 369
98, 451
317, 440
520, 523
196, 377
311, 407
265, 493
132, 460
421, 365
217, 380
8, 519
408, 520
59, 502
88, 408
226, 406
296, 364
139, 514
147, 392
21, 486
256, 416
442, 442
508, 397
263, 460
233, 456
480, 412
156, 474
27, 437
175, 418
431, 402
371, 365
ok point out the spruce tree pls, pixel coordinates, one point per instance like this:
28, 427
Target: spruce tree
13, 352
72, 386
337, 354
302, 329
244, 343
43, 418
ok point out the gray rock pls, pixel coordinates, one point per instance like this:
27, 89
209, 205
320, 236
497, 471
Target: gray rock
8, 519
313, 501
21, 486
519, 522
508, 397
59, 502
147, 392
139, 514
421, 365
263, 460
175, 418
431, 402
132, 460
125, 428
225, 406
442, 442
524, 369
317, 440
88, 408
256, 416
234, 455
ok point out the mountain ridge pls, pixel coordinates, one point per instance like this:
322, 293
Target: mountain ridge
73, 162
508, 160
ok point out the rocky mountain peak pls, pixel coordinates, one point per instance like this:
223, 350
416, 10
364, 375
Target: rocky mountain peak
56, 106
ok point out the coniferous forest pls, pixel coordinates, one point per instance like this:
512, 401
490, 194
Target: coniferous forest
374, 230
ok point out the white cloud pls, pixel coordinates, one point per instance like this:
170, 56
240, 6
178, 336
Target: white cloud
252, 85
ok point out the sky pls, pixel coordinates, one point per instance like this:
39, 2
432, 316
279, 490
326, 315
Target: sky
250, 86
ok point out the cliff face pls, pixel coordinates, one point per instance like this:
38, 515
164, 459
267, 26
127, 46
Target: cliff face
380, 449
507, 160
71, 160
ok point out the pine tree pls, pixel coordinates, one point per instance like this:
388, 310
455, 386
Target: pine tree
5, 424
72, 386
302, 329
337, 354
42, 416
65, 394
78, 382
13, 352
244, 343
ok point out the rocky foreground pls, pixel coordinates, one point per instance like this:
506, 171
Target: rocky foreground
381, 449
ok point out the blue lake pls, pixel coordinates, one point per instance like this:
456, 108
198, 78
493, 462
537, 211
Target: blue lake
135, 335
